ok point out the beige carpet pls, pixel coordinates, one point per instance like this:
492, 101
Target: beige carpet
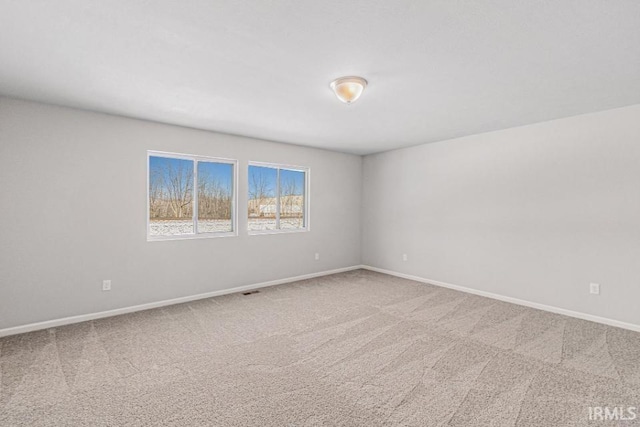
353, 349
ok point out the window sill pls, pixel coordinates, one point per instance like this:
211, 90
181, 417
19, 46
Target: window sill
191, 236
285, 231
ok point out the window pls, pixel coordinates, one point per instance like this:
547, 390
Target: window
190, 196
278, 198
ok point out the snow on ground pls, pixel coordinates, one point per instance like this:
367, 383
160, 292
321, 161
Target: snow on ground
178, 227
262, 224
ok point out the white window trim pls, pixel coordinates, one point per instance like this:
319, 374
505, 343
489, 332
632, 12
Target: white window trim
195, 234
307, 198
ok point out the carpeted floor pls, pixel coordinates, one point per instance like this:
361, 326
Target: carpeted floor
353, 349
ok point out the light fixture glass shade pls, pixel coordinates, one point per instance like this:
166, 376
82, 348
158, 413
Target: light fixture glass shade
348, 89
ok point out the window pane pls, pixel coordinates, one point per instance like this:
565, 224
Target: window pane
262, 198
170, 196
215, 197
291, 199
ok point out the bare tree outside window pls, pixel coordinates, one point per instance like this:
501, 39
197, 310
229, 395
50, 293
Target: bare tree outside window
291, 199
276, 198
172, 196
262, 198
215, 197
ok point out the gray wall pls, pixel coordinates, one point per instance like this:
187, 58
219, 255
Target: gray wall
535, 212
73, 192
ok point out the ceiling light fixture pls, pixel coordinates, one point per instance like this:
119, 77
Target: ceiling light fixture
348, 89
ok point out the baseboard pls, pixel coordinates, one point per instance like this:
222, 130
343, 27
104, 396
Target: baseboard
550, 308
92, 316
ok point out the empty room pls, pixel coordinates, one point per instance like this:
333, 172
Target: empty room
319, 213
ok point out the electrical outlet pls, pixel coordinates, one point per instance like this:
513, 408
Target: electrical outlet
317, 256
106, 285
594, 288
404, 257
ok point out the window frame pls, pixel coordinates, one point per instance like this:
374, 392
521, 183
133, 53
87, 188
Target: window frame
195, 235
307, 197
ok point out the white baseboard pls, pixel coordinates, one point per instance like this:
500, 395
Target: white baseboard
91, 316
550, 308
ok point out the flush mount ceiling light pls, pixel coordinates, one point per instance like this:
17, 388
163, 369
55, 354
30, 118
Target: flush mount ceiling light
348, 89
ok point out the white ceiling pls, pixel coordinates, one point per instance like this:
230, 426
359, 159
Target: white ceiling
436, 69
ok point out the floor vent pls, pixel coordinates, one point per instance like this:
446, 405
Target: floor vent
250, 292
